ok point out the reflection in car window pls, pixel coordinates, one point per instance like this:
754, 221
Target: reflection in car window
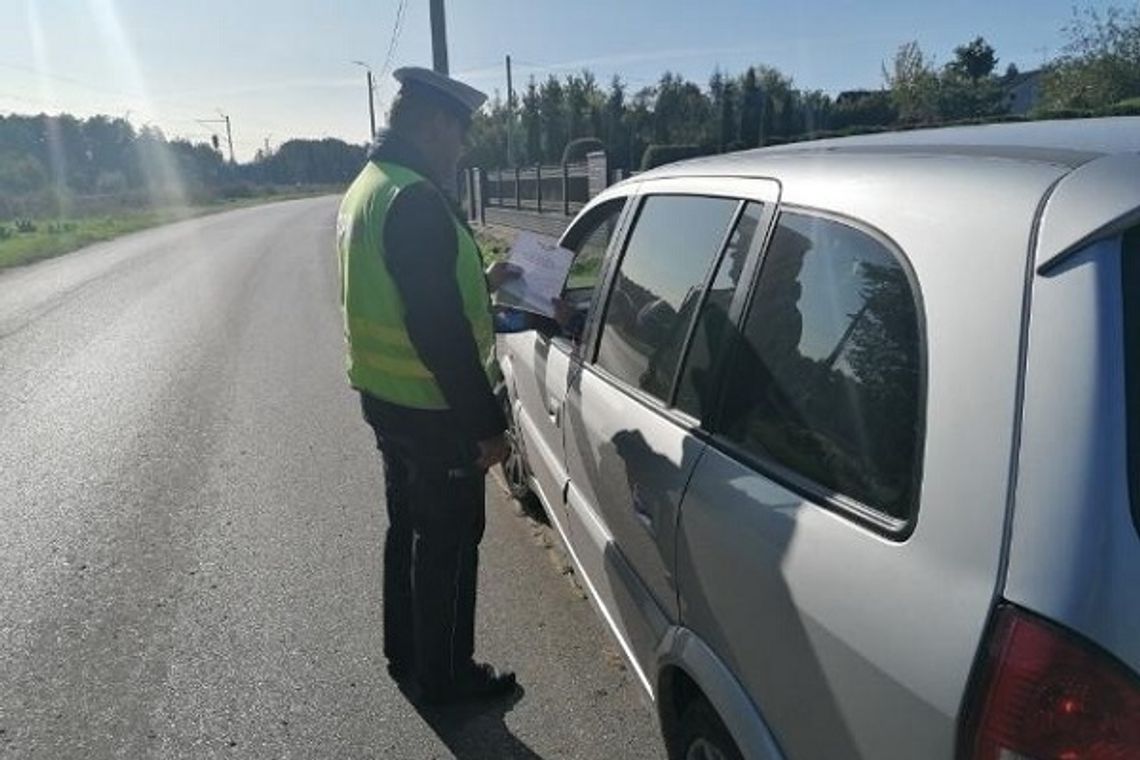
591, 250
696, 386
827, 381
658, 287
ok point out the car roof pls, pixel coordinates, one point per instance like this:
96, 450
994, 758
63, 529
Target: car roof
1088, 169
1066, 143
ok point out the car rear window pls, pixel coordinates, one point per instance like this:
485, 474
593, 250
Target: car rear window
1130, 281
828, 381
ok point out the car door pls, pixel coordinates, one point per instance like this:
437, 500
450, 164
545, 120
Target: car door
538, 361
791, 549
629, 448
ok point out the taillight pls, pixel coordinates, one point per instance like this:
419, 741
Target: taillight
1044, 693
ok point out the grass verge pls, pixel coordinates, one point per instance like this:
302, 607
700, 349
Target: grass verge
48, 238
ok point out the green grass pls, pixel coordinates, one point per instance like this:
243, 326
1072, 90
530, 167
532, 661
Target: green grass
54, 237
494, 242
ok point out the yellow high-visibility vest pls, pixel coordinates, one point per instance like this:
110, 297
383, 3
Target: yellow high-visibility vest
381, 358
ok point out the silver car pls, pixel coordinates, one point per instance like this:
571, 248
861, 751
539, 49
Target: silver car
845, 442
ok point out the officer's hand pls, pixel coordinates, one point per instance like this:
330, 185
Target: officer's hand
500, 273
492, 451
564, 312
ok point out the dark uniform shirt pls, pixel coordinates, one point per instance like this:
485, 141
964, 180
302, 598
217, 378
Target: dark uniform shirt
421, 245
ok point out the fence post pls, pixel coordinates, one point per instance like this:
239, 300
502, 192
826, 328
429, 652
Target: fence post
469, 189
565, 190
518, 190
597, 170
499, 189
481, 191
538, 185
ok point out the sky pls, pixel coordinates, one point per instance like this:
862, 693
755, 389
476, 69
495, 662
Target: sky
284, 69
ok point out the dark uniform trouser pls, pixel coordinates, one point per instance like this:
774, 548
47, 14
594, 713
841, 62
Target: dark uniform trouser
436, 517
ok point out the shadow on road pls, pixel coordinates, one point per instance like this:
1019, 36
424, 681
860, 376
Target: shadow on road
478, 731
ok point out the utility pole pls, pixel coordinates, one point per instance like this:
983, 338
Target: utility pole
510, 114
229, 132
438, 38
371, 101
229, 137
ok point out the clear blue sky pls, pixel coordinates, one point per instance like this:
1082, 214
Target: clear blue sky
281, 69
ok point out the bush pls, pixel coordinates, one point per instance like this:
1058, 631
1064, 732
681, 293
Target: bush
576, 150
1130, 107
59, 228
236, 190
25, 226
659, 155
5, 232
1063, 113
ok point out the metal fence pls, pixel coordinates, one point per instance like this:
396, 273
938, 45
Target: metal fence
530, 196
557, 189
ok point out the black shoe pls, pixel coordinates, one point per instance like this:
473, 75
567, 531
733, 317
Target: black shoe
399, 672
479, 682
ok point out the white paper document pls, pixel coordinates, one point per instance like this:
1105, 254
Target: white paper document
544, 268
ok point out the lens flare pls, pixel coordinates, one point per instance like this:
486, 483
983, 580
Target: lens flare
163, 178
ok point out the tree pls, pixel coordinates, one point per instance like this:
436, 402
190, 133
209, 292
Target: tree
816, 108
577, 93
863, 108
615, 130
751, 109
552, 116
914, 84
680, 112
779, 104
974, 60
487, 142
721, 95
1100, 64
531, 123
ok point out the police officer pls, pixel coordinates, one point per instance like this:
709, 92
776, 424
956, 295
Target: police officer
418, 324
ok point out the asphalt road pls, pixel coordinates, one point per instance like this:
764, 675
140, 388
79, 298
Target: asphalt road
191, 519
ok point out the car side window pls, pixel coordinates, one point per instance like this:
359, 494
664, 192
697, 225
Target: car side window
590, 243
827, 381
658, 287
697, 386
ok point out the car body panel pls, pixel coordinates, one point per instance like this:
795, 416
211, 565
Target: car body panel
1075, 554
792, 595
682, 649
1091, 202
539, 368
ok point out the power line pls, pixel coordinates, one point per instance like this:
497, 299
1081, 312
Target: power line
396, 29
69, 80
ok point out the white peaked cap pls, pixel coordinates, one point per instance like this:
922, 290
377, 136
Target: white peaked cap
447, 91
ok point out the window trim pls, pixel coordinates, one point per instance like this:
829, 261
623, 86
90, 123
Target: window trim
588, 345
896, 529
619, 259
582, 226
587, 224
735, 309
743, 190
765, 190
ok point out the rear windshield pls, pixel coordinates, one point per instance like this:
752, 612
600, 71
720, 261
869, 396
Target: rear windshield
1130, 280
